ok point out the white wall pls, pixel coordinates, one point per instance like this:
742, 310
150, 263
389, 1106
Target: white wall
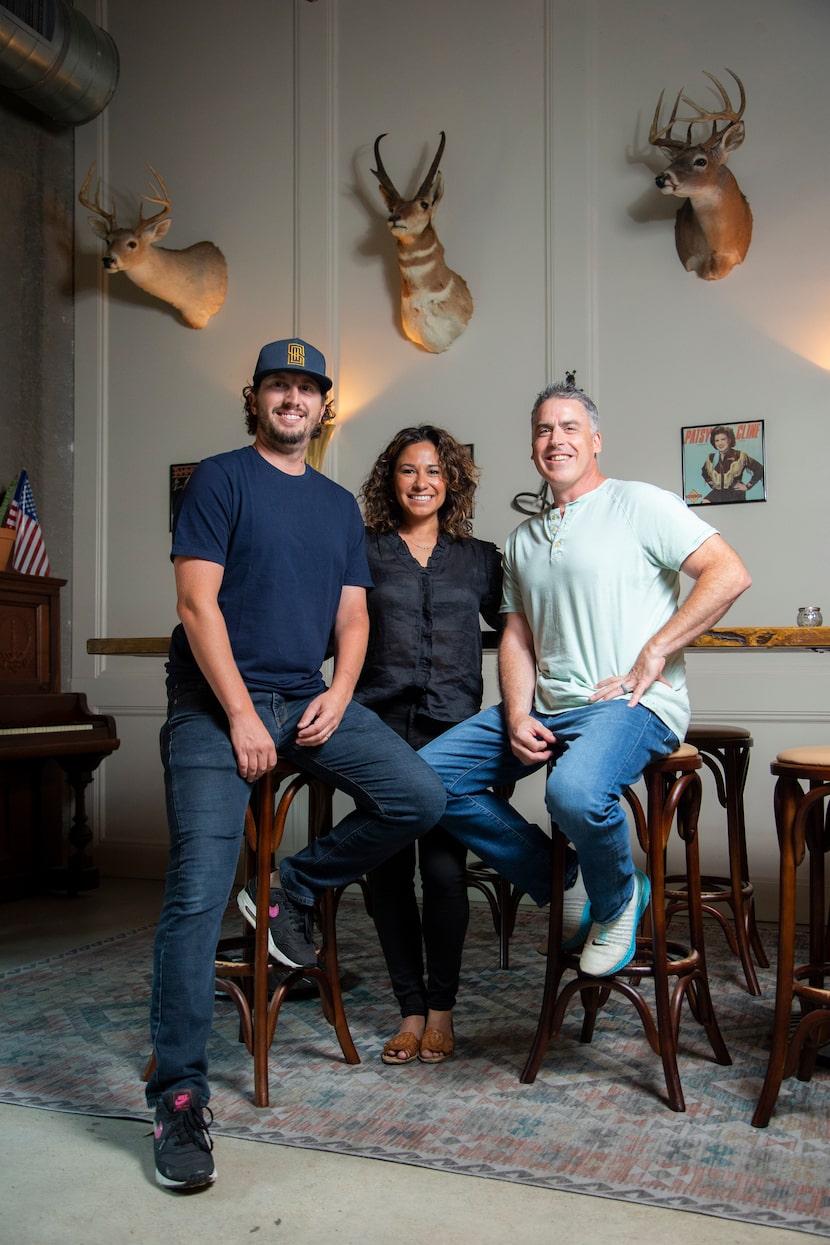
262, 118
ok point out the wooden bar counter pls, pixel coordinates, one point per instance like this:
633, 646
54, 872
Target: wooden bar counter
765, 637
755, 638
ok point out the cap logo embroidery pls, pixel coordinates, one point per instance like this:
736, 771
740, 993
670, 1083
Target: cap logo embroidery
296, 354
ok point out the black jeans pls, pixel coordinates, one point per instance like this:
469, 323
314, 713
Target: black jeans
403, 932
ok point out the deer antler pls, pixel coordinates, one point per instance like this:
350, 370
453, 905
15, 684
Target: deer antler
380, 172
662, 137
433, 168
727, 113
163, 198
95, 205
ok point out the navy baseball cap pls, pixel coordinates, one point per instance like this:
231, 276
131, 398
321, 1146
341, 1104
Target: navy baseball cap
293, 355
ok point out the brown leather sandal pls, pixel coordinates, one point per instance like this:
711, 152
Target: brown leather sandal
406, 1042
443, 1044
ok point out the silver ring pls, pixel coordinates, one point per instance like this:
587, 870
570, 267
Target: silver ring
627, 690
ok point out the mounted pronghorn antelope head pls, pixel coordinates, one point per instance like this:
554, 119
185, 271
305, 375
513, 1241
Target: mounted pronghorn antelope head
193, 281
713, 227
436, 305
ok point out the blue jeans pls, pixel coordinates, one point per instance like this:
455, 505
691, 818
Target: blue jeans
600, 749
397, 798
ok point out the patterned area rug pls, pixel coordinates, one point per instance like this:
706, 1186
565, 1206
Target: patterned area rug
73, 1038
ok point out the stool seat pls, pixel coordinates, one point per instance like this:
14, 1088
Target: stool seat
681, 752
725, 753
708, 730
801, 789
809, 758
673, 793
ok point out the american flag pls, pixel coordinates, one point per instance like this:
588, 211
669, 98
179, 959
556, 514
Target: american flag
29, 556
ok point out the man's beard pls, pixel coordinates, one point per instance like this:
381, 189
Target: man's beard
281, 438
272, 438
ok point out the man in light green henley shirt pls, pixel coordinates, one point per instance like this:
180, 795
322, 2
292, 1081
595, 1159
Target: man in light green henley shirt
592, 677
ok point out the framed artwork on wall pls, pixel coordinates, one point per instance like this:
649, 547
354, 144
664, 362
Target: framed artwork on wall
723, 463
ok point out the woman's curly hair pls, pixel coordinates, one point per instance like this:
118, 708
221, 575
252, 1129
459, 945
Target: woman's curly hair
381, 511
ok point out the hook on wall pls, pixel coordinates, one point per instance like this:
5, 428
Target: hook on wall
533, 503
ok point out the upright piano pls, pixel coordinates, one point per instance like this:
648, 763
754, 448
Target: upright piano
46, 736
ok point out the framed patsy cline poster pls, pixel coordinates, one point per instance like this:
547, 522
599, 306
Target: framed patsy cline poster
723, 463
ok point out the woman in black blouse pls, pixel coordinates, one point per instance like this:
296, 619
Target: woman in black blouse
422, 675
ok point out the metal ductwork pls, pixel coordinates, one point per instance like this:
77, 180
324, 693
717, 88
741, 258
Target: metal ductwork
52, 57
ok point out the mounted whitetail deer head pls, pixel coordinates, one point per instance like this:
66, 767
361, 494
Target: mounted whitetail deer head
436, 305
713, 227
193, 281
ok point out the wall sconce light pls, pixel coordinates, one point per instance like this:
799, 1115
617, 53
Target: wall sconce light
316, 451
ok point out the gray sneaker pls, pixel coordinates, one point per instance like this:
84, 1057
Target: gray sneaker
289, 926
610, 947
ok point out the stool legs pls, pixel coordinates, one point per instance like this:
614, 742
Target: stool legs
679, 796
258, 1014
728, 760
246, 980
552, 1012
799, 822
503, 900
735, 762
327, 972
670, 795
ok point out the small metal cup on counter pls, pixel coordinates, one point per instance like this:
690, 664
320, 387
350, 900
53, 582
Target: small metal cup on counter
809, 616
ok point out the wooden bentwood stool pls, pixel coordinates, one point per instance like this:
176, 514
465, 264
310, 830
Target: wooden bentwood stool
243, 964
502, 898
724, 750
673, 790
246, 979
802, 826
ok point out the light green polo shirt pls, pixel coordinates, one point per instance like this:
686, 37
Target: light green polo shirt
596, 584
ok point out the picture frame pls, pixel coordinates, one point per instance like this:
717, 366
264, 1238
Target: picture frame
180, 473
732, 471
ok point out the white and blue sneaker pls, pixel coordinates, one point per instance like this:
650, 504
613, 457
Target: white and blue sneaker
576, 915
576, 918
608, 948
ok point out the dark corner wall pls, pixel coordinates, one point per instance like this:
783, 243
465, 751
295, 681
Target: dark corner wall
36, 324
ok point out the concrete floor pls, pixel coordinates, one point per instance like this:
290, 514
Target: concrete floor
78, 1180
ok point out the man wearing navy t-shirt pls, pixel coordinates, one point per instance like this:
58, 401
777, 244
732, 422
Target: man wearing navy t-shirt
270, 568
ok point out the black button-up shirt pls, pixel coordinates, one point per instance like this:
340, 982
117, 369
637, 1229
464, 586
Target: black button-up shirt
425, 633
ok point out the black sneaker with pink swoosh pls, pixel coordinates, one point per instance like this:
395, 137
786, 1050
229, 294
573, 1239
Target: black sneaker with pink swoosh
289, 926
181, 1141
